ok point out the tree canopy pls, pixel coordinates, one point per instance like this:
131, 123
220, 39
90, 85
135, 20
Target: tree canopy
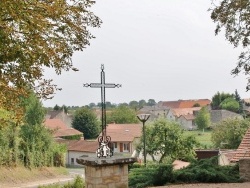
166, 140
38, 34
122, 114
230, 104
203, 118
85, 121
228, 134
232, 16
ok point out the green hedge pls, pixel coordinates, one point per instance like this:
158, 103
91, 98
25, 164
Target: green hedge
202, 171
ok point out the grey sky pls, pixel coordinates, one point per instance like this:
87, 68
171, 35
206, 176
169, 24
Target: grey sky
159, 49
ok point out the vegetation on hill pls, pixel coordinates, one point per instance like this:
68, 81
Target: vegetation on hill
30, 144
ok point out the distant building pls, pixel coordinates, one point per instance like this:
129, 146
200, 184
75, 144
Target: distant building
60, 129
219, 115
60, 114
186, 103
124, 137
77, 149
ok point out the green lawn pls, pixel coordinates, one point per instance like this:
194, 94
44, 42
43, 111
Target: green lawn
203, 138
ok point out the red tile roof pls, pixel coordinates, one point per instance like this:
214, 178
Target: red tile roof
243, 150
124, 132
60, 129
80, 145
186, 103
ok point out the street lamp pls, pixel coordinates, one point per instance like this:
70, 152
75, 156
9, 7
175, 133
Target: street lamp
143, 118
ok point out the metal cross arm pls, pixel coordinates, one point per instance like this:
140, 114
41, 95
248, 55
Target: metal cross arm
98, 85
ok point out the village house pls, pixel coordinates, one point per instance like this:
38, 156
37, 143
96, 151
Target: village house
60, 114
124, 137
186, 103
60, 130
219, 115
184, 116
77, 149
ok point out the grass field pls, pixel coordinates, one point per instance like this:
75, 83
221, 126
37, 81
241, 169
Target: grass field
203, 138
17, 175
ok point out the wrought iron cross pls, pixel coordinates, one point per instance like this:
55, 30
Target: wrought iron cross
103, 140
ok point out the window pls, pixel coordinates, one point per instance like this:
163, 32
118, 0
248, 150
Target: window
126, 147
115, 144
72, 161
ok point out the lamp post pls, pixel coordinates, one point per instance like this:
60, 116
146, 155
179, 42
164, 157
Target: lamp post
143, 118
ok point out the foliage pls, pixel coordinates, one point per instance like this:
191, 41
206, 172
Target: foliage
142, 103
9, 142
207, 171
218, 98
30, 144
85, 121
122, 114
228, 134
35, 35
233, 17
166, 139
78, 183
196, 105
230, 104
152, 175
238, 99
203, 118
151, 102
134, 105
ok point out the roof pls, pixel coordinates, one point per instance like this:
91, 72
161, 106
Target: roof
80, 145
184, 111
60, 129
218, 115
243, 150
189, 116
186, 103
124, 132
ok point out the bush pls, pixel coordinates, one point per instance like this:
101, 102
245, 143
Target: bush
207, 171
153, 175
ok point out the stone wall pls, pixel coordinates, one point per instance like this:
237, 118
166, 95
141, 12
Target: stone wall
115, 176
244, 167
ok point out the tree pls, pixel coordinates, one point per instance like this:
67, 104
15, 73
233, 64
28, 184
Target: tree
165, 138
85, 121
233, 17
238, 99
142, 103
151, 102
122, 114
134, 105
203, 118
230, 104
228, 134
218, 98
38, 34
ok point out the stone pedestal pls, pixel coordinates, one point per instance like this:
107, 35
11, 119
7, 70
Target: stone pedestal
106, 172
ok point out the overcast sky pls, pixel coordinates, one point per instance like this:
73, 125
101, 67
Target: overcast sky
157, 49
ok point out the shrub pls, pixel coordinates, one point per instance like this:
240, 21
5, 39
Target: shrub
78, 183
153, 175
207, 171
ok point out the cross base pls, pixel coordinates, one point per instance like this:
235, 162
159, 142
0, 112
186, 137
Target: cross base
104, 150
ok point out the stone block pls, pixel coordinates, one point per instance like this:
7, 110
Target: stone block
111, 179
107, 171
